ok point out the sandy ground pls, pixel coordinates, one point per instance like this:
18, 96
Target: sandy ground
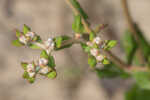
48, 18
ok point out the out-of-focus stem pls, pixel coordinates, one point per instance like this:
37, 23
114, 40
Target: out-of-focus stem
132, 28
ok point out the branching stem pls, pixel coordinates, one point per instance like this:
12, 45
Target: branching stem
110, 55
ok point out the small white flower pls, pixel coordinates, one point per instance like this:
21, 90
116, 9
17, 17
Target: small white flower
49, 43
94, 52
43, 61
30, 34
30, 68
23, 39
31, 74
99, 57
97, 40
89, 43
44, 70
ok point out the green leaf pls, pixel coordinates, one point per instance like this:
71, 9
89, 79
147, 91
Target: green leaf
111, 71
24, 65
44, 55
37, 69
63, 47
92, 61
18, 33
136, 61
77, 26
52, 74
143, 42
95, 46
136, 93
37, 39
77, 6
25, 75
58, 41
130, 46
64, 38
92, 36
110, 44
26, 29
34, 46
149, 61
142, 79
105, 61
51, 62
17, 43
85, 47
31, 79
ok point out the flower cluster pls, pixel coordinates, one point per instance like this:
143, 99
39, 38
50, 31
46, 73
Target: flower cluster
38, 67
95, 51
49, 45
27, 38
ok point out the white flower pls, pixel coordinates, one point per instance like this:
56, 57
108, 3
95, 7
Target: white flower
99, 57
97, 40
30, 34
23, 39
89, 43
30, 68
31, 74
44, 70
94, 52
43, 61
49, 43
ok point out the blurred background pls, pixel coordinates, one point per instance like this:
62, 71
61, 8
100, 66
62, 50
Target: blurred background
50, 18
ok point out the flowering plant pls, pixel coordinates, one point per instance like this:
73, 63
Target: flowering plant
97, 49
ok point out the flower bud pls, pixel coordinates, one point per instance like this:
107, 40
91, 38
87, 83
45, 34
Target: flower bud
23, 39
49, 43
43, 61
30, 68
89, 43
99, 58
94, 52
97, 40
44, 70
78, 36
31, 74
31, 35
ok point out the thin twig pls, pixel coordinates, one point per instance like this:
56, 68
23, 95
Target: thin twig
115, 59
100, 27
132, 28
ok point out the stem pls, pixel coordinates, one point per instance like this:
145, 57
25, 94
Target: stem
100, 27
110, 55
115, 59
132, 28
76, 12
67, 42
